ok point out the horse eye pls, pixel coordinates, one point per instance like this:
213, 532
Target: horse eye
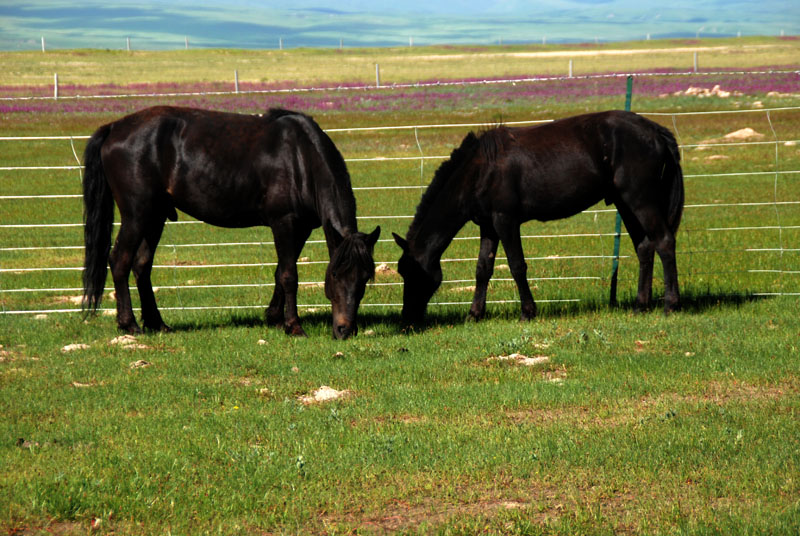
333, 274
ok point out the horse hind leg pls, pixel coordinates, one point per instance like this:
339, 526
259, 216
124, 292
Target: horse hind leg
142, 270
483, 272
121, 260
645, 251
666, 251
650, 234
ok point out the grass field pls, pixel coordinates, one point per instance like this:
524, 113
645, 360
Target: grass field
639, 424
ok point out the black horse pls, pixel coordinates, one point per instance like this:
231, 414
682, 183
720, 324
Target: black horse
229, 170
507, 176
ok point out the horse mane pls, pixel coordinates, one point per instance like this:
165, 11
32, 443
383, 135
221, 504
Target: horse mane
327, 150
273, 114
353, 252
488, 144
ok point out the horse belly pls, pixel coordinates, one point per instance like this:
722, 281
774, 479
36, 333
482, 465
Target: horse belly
553, 200
220, 206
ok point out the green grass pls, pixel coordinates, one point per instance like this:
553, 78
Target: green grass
639, 424
398, 65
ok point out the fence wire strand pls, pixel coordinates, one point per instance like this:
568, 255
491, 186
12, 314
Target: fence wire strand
175, 267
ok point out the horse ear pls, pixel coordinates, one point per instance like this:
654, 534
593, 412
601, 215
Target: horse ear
372, 238
400, 242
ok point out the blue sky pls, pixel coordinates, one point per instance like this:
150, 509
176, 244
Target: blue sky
156, 24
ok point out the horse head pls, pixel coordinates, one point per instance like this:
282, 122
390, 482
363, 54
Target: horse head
419, 284
351, 267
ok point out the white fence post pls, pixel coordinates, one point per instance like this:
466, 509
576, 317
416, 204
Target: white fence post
186, 40
570, 68
377, 75
55, 86
236, 80
43, 50
128, 43
695, 61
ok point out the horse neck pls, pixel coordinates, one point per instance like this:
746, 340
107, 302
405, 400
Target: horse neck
337, 213
436, 230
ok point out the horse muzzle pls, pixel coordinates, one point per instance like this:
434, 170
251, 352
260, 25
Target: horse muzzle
344, 328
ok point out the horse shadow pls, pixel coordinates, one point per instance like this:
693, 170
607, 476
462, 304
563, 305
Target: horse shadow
691, 303
320, 322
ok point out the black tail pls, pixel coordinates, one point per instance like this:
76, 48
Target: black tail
673, 181
98, 218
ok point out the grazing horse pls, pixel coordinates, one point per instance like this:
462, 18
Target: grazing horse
230, 170
507, 176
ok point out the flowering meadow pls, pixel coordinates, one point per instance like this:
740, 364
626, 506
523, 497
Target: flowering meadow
459, 94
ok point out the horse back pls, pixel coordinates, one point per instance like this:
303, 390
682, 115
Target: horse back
559, 169
230, 170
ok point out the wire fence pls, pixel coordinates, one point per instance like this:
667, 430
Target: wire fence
31, 250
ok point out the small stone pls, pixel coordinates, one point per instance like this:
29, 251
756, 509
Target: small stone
74, 347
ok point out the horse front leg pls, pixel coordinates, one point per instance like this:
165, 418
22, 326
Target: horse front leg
483, 272
289, 240
509, 234
274, 312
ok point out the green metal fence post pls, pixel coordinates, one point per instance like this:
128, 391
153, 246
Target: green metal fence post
618, 223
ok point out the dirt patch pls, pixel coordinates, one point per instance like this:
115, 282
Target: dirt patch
589, 53
703, 92
464, 289
74, 300
404, 418
323, 394
74, 347
743, 134
652, 408
128, 342
522, 359
81, 385
61, 528
401, 516
723, 393
384, 270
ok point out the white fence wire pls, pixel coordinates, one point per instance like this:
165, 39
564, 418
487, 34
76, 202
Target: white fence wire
786, 267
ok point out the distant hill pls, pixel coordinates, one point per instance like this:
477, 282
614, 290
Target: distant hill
158, 24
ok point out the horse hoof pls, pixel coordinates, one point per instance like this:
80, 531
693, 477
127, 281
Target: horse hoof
473, 318
132, 329
158, 328
295, 330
